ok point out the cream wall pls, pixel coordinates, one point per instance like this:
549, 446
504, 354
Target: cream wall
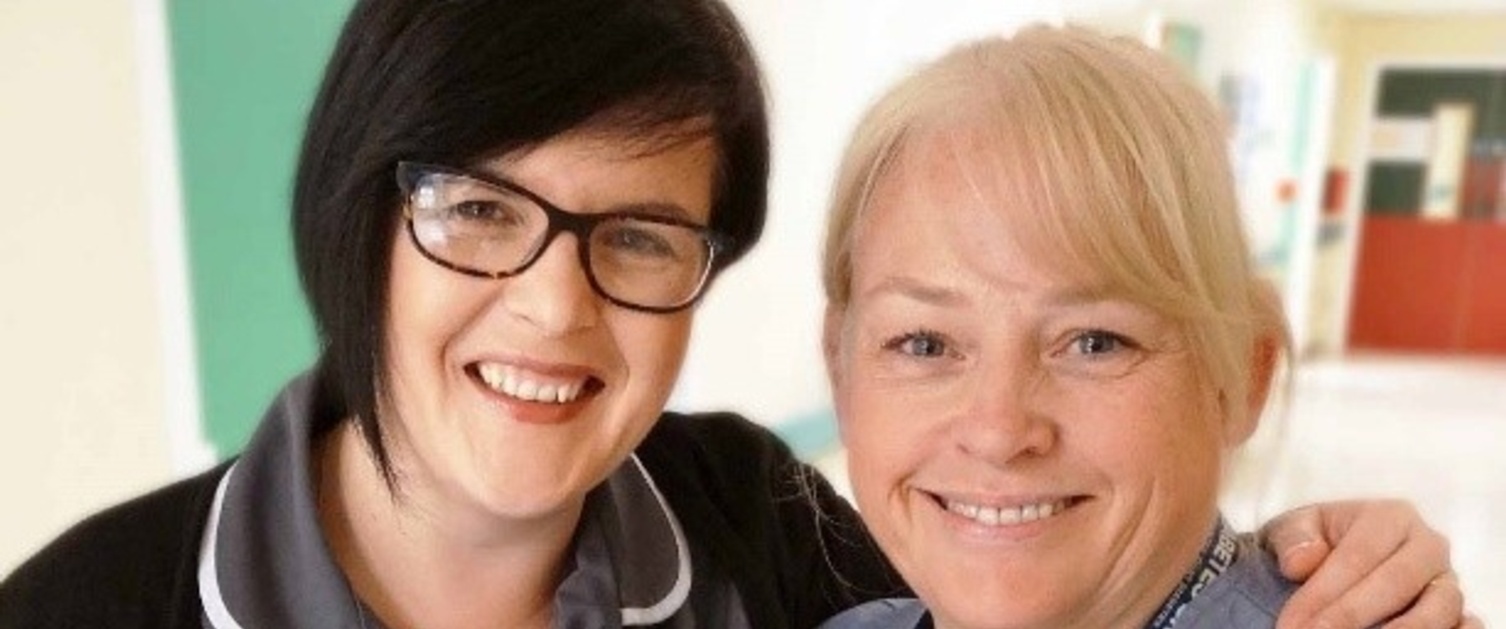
81, 367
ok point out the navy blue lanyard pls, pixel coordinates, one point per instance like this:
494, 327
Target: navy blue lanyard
1219, 552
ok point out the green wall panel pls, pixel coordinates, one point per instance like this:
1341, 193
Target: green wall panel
245, 73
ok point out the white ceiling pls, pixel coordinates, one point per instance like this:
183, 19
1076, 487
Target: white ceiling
1420, 6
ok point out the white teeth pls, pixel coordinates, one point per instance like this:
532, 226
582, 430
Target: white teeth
1005, 516
491, 374
1010, 516
988, 515
512, 382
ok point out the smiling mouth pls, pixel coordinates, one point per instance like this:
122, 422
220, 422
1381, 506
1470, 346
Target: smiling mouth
526, 386
1010, 515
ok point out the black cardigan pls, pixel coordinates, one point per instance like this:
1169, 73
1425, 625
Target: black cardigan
796, 551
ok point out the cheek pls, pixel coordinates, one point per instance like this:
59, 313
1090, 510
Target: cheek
654, 346
885, 435
412, 311
427, 308
1153, 440
889, 443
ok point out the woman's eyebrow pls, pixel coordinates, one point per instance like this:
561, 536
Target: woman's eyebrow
917, 289
1082, 295
929, 292
654, 208
666, 209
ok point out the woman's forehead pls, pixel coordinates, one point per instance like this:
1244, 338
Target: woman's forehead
954, 190
611, 143
955, 179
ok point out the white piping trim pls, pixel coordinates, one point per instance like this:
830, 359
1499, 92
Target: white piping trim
666, 607
209, 580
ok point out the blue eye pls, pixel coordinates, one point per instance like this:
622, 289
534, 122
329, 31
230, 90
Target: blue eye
921, 344
1098, 343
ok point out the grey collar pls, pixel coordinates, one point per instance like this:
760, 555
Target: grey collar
263, 561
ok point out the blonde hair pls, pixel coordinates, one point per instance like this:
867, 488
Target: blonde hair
1123, 161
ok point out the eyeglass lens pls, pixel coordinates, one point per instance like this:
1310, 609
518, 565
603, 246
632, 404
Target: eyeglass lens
490, 230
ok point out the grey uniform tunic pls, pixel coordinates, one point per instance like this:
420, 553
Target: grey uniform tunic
264, 561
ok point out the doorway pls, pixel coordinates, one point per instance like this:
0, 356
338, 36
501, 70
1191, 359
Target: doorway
1431, 269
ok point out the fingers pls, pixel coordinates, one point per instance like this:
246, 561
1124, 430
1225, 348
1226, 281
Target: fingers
1363, 542
1441, 604
1393, 592
1296, 538
1383, 558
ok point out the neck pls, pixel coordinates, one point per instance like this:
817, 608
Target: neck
1218, 553
1156, 583
419, 559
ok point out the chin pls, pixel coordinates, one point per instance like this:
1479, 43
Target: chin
523, 490
1007, 596
979, 614
526, 503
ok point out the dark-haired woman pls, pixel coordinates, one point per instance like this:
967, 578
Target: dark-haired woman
504, 214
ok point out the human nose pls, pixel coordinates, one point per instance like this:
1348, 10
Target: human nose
553, 293
1002, 420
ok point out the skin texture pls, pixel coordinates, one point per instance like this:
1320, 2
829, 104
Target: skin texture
970, 369
490, 488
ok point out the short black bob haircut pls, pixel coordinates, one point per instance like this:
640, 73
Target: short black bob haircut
462, 81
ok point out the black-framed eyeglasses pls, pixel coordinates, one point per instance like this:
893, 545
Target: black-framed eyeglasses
489, 227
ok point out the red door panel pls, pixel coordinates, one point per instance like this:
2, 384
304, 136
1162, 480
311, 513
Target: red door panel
1409, 285
1485, 301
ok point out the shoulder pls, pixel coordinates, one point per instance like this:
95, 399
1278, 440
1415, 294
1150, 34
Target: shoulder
888, 613
729, 459
710, 434
736, 468
126, 566
795, 548
1250, 595
722, 469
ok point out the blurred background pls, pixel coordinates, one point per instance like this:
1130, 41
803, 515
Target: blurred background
151, 310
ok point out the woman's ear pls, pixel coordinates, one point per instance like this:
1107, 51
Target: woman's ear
1271, 343
1263, 372
1264, 357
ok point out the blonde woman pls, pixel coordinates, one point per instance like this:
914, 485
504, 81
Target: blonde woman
1045, 336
